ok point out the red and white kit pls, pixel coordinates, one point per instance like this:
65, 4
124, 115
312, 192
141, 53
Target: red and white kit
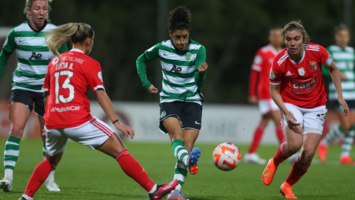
302, 85
259, 84
67, 113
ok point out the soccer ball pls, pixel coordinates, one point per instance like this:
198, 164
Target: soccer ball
226, 156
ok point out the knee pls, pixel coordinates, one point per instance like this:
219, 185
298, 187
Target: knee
16, 131
307, 155
292, 148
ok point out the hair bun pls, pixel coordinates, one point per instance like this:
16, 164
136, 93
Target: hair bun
179, 18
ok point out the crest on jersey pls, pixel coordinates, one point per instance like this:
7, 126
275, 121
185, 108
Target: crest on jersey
313, 65
272, 75
301, 71
188, 56
163, 114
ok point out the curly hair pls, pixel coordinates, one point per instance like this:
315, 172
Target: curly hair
179, 19
29, 5
340, 27
295, 25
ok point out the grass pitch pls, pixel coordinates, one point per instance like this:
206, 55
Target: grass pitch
87, 174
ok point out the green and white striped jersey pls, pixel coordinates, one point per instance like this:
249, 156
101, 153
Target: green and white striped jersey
344, 59
181, 79
32, 53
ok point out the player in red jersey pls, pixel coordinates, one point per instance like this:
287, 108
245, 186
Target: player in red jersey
259, 93
67, 114
297, 88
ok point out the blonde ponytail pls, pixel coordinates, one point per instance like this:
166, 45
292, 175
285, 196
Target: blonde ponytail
76, 32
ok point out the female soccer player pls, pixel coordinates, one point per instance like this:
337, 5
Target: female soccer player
33, 58
184, 68
68, 110
343, 56
297, 88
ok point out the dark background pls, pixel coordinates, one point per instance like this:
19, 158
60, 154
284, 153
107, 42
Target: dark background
231, 31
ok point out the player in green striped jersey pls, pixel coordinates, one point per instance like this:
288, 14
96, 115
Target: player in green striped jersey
343, 56
184, 68
28, 39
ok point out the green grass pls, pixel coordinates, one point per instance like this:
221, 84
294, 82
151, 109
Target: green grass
87, 174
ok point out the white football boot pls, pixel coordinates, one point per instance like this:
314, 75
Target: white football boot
6, 184
254, 158
52, 186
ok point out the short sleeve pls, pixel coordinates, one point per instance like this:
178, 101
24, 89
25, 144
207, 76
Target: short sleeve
258, 60
275, 74
94, 77
47, 80
10, 44
152, 53
326, 59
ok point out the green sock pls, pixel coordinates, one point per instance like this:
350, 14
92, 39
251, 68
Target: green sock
347, 142
335, 132
44, 151
11, 153
179, 151
180, 172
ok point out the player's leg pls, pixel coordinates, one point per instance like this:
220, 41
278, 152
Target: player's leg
55, 144
348, 140
294, 140
275, 114
18, 116
39, 110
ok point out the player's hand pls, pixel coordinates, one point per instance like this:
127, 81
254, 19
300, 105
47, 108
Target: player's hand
152, 90
253, 100
291, 119
44, 134
345, 106
126, 129
203, 67
342, 76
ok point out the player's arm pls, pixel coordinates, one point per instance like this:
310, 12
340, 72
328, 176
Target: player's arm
254, 77
7, 50
147, 56
200, 67
335, 74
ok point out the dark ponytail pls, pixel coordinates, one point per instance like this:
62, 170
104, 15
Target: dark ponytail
179, 19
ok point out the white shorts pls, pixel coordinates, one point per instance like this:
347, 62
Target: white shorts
92, 133
311, 119
267, 105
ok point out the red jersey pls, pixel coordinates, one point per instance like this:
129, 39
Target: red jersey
67, 80
301, 84
261, 65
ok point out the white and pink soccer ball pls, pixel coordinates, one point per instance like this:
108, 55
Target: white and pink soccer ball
226, 156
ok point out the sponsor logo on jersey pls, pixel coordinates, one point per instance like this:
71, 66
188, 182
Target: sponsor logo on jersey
288, 73
65, 109
301, 71
36, 56
188, 56
272, 75
163, 114
313, 65
176, 69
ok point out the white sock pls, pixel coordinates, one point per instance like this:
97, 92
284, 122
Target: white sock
185, 159
153, 189
178, 187
27, 197
9, 173
51, 176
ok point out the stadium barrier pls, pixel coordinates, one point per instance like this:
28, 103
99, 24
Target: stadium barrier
220, 123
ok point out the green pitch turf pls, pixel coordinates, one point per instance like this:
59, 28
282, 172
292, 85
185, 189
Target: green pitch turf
86, 174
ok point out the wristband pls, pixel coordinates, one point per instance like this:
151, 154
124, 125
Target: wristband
117, 120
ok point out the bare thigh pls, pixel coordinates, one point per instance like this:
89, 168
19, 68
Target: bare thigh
173, 126
113, 146
18, 116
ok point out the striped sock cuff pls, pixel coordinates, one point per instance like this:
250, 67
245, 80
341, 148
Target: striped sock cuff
180, 172
179, 150
124, 152
13, 139
11, 152
283, 149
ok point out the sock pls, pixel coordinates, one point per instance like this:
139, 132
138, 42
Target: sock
297, 171
280, 134
179, 151
39, 175
347, 142
258, 133
180, 173
133, 169
11, 153
44, 151
335, 132
280, 154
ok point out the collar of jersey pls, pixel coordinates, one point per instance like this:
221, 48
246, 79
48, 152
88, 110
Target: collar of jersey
304, 53
39, 30
77, 50
181, 52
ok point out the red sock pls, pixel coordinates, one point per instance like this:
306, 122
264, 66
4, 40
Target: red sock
280, 154
39, 175
133, 169
280, 134
258, 133
297, 171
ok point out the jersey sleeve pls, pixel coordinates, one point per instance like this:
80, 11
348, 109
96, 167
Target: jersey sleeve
47, 80
7, 49
275, 73
325, 57
94, 77
200, 78
257, 63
